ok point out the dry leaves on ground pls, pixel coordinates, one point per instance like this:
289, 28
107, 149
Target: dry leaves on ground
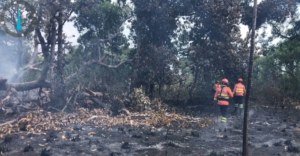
38, 121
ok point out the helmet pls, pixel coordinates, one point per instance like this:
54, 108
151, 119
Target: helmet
225, 81
240, 80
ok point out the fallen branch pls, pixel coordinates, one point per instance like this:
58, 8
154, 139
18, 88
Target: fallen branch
67, 104
95, 100
93, 117
10, 92
54, 108
93, 93
76, 92
32, 66
26, 85
86, 64
27, 107
28, 68
5, 99
8, 122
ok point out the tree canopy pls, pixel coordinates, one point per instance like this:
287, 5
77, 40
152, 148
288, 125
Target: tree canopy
175, 49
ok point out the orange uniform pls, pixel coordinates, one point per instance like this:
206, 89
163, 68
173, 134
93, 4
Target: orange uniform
239, 89
223, 94
216, 86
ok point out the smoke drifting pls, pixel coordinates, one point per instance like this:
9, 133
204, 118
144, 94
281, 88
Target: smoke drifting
251, 113
8, 57
7, 69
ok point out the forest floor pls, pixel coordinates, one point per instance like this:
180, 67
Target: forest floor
271, 133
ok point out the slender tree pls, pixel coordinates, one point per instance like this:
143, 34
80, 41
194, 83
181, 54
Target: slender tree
250, 71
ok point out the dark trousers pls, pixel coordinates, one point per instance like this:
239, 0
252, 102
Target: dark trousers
223, 109
238, 100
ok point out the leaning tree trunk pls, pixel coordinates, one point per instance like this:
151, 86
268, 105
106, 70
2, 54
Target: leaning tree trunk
249, 84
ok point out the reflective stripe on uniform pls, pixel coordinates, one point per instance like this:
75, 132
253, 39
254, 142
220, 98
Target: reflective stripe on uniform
225, 96
223, 119
241, 106
239, 90
236, 105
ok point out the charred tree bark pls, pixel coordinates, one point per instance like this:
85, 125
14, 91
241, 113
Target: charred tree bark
59, 83
53, 43
249, 84
45, 49
159, 89
151, 91
24, 86
194, 84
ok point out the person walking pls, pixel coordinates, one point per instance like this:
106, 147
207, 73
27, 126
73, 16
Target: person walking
239, 92
214, 89
222, 97
216, 86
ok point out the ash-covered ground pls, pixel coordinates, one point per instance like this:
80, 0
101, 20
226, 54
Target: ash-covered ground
272, 132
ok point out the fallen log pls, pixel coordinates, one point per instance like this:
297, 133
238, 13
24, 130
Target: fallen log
97, 101
24, 86
93, 96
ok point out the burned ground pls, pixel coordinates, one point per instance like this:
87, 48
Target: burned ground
271, 132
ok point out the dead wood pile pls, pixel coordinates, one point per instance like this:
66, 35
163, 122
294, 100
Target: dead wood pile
38, 121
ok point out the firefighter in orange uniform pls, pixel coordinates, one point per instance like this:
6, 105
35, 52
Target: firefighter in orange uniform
216, 86
239, 91
222, 96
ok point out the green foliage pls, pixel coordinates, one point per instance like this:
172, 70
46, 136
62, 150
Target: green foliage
155, 22
181, 48
268, 11
277, 74
101, 19
97, 77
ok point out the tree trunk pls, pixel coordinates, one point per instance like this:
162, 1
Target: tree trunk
159, 89
146, 89
151, 91
250, 72
60, 97
194, 84
45, 49
53, 44
20, 55
41, 82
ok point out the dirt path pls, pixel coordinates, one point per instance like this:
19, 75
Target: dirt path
269, 134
